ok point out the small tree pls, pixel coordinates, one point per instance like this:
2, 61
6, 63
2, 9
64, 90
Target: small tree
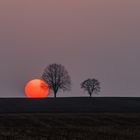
57, 78
91, 86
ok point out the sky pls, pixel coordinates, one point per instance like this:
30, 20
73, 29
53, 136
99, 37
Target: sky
91, 38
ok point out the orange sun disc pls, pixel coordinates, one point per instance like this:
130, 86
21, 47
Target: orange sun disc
36, 89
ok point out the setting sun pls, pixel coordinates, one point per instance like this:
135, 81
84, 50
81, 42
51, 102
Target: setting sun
36, 89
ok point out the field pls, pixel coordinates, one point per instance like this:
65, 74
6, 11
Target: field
71, 105
70, 126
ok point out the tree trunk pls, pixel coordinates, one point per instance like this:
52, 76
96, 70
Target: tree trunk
90, 95
54, 94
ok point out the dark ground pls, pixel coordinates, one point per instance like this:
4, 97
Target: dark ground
71, 105
70, 126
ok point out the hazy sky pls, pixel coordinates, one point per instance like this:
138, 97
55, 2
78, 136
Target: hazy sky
92, 38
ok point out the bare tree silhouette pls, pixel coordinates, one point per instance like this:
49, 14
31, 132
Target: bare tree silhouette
57, 78
91, 86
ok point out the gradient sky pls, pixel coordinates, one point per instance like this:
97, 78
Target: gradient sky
92, 38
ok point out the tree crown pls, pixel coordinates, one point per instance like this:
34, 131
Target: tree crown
57, 77
91, 85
